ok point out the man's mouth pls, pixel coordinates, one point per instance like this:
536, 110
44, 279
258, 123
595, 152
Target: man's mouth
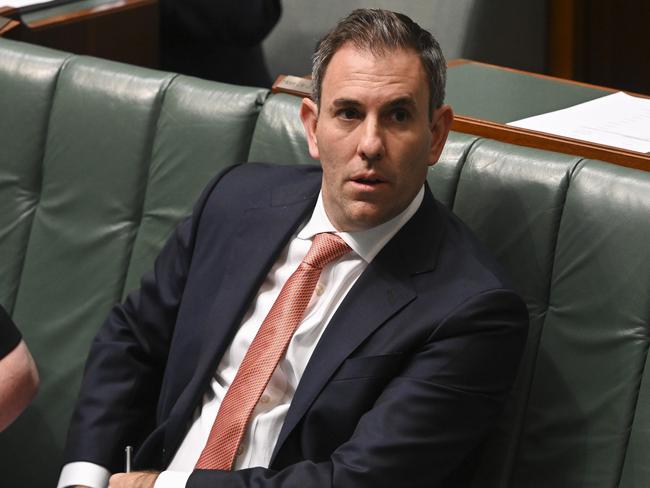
368, 179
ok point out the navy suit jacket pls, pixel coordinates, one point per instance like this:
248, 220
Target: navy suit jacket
405, 383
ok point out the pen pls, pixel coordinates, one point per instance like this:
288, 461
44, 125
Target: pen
128, 451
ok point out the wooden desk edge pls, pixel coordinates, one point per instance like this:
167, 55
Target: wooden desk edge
550, 142
108, 8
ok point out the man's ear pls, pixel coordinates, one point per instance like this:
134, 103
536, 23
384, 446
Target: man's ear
309, 117
441, 120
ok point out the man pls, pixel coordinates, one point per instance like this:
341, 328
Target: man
406, 342
18, 374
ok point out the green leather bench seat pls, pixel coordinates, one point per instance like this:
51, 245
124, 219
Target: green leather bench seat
513, 200
98, 162
200, 130
26, 92
594, 344
124, 154
278, 135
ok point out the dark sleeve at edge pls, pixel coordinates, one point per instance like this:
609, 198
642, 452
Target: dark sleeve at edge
9, 334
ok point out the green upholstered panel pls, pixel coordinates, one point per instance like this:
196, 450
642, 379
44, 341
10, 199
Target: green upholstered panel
94, 174
27, 79
512, 198
499, 95
636, 468
595, 340
203, 128
279, 136
521, 192
443, 176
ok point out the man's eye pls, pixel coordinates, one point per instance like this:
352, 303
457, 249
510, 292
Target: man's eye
400, 115
348, 113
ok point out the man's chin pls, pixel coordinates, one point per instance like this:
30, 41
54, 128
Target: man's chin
353, 214
366, 217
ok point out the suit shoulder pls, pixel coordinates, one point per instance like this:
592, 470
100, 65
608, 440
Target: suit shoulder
271, 174
253, 184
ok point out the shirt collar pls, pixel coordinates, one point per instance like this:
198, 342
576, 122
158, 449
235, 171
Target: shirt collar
368, 242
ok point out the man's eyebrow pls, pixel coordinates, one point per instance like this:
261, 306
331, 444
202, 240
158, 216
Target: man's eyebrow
406, 101
345, 102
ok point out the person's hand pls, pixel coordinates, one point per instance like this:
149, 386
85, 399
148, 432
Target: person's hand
137, 479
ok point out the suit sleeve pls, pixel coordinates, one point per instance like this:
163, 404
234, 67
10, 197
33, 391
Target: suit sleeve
429, 419
125, 366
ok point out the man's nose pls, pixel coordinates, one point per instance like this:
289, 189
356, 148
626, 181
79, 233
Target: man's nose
371, 143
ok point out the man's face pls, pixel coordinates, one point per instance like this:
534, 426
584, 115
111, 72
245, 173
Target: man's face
373, 135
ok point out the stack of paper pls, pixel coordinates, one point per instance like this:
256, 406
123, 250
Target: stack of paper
618, 120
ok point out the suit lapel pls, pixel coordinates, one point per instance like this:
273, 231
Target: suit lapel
265, 227
384, 288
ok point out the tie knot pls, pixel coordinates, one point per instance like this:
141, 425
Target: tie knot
325, 249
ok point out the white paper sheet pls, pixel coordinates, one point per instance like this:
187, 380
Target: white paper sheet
20, 3
618, 120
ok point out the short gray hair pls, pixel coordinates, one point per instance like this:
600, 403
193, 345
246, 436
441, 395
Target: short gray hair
378, 31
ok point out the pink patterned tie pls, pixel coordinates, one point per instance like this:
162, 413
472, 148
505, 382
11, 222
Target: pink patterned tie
266, 350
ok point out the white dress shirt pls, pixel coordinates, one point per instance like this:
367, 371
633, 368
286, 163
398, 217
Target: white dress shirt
262, 433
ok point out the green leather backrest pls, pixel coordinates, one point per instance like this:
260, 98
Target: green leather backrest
82, 231
443, 176
28, 82
521, 192
279, 136
573, 236
586, 386
111, 157
202, 128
